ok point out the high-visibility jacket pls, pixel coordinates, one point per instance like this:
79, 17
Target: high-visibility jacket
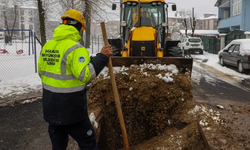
65, 69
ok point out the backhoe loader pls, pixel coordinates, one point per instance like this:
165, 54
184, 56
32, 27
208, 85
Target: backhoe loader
144, 36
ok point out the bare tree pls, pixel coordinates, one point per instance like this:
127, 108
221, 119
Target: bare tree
91, 9
8, 9
87, 16
184, 22
95, 10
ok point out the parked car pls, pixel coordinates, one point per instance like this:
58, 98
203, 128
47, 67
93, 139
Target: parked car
236, 53
191, 45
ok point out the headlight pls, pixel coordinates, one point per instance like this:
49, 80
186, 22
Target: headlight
154, 3
164, 24
158, 3
123, 24
134, 4
129, 3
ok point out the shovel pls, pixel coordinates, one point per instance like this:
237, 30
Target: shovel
116, 96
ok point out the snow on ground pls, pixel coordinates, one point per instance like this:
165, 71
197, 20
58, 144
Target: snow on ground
19, 85
213, 61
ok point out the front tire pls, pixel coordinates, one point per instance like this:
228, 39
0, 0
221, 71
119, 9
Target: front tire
240, 67
175, 51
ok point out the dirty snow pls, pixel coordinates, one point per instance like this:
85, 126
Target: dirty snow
166, 77
93, 120
213, 61
209, 114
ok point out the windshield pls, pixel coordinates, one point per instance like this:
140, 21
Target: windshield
151, 15
194, 40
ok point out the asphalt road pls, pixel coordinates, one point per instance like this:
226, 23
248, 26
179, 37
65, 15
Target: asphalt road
23, 128
215, 88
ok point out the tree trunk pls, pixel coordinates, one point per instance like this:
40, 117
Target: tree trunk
81, 40
42, 21
193, 23
193, 28
6, 20
14, 24
185, 25
87, 14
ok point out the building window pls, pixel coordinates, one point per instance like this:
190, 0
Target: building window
22, 19
30, 20
236, 7
30, 13
22, 12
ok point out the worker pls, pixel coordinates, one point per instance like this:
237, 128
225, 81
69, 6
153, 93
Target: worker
65, 69
146, 20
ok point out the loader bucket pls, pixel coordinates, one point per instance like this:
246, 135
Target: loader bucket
183, 64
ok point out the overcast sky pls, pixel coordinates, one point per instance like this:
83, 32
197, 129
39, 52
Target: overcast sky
200, 6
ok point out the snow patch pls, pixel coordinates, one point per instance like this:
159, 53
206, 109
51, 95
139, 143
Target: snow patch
207, 113
92, 120
29, 101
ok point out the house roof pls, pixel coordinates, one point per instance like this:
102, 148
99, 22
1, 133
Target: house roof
202, 32
208, 18
218, 3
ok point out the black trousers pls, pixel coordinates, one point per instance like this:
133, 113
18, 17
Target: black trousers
82, 132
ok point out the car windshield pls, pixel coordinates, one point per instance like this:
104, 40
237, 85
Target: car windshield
151, 15
194, 40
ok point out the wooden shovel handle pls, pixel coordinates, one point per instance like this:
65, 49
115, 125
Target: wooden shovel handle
116, 96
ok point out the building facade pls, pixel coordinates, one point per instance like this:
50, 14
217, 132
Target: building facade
208, 22
24, 18
233, 15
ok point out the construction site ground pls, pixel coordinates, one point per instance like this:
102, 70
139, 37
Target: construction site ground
159, 115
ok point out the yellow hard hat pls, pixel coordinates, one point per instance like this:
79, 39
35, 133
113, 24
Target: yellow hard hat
76, 15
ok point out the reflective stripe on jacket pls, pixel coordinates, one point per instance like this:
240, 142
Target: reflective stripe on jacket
64, 65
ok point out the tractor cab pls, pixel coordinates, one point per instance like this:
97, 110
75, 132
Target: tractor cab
151, 14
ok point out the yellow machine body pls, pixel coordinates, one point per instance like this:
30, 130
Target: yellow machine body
144, 38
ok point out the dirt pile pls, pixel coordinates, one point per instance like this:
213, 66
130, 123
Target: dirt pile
157, 105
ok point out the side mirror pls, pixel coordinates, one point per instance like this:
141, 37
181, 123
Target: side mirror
113, 6
173, 7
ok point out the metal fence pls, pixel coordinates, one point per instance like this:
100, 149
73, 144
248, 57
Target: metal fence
17, 54
211, 45
236, 34
96, 43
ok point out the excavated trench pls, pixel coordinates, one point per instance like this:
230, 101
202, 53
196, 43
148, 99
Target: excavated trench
141, 126
153, 107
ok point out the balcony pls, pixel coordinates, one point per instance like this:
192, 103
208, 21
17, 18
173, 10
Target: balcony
229, 22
